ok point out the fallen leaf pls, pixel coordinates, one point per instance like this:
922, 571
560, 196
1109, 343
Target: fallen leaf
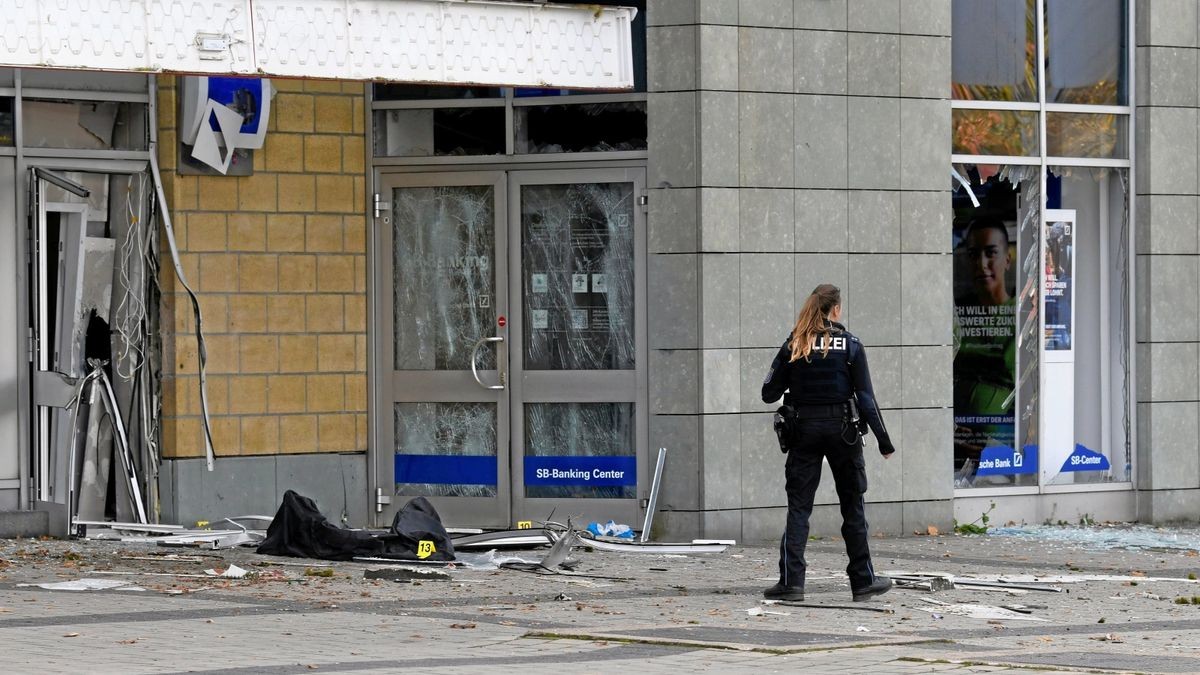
71, 635
462, 625
931, 531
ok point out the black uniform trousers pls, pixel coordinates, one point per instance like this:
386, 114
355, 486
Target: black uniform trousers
814, 439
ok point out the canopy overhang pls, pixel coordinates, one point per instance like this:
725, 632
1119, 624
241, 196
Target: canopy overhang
427, 41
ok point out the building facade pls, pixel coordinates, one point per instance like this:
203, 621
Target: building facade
508, 299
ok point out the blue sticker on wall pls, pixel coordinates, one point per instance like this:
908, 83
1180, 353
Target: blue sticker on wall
1084, 459
1001, 460
593, 471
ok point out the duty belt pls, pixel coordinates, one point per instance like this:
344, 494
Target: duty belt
833, 411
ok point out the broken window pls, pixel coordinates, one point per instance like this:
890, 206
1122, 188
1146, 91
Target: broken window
445, 449
444, 284
6, 122
84, 125
577, 249
439, 132
580, 450
587, 127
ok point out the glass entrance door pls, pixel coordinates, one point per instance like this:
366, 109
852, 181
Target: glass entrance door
442, 410
511, 345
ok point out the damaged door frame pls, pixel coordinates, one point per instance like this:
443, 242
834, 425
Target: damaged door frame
512, 175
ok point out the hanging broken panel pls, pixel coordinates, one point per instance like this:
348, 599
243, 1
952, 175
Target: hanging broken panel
580, 450
445, 449
444, 280
577, 247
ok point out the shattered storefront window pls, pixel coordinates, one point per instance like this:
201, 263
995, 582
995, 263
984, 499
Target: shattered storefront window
580, 450
445, 284
445, 449
577, 247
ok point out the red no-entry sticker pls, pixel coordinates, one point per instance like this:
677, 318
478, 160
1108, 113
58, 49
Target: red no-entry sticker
502, 322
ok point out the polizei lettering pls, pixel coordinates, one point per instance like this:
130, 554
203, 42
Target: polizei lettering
837, 344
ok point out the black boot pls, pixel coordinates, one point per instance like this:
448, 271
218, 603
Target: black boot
781, 592
880, 586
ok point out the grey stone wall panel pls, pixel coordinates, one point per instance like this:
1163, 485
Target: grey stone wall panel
1168, 224
820, 14
924, 144
773, 13
718, 57
1168, 143
822, 221
673, 225
813, 269
821, 141
930, 377
671, 138
720, 230
766, 298
925, 17
924, 66
671, 12
821, 61
1167, 445
874, 221
669, 62
874, 16
680, 435
925, 294
1166, 23
873, 299
1170, 371
766, 157
926, 219
873, 147
873, 67
928, 444
674, 382
717, 11
765, 60
720, 140
722, 477
720, 301
755, 364
674, 305
721, 381
768, 220
1167, 76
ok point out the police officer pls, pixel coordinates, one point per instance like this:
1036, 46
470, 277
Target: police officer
820, 370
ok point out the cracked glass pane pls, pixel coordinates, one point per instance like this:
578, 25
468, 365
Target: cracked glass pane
577, 249
580, 450
444, 284
445, 449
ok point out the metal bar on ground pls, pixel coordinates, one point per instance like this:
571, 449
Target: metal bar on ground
132, 527
813, 605
654, 487
657, 547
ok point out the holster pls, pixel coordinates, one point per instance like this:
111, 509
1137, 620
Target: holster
785, 424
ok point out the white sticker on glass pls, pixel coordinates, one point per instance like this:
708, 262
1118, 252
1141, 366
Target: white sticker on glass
579, 319
538, 283
579, 283
599, 283
539, 319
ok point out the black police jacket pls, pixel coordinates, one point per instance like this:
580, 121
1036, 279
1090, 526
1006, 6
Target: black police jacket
828, 378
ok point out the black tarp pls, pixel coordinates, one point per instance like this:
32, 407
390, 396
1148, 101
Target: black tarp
300, 531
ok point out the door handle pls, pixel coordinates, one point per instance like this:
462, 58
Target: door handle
475, 372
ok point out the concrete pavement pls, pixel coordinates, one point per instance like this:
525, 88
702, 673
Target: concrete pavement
658, 614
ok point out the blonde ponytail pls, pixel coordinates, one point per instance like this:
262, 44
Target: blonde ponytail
811, 321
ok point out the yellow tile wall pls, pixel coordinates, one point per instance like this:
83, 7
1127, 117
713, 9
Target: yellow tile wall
278, 260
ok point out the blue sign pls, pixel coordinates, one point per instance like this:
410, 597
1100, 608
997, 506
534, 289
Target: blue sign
595, 471
1084, 459
446, 469
1001, 460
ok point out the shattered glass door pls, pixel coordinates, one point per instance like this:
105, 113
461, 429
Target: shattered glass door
446, 421
581, 418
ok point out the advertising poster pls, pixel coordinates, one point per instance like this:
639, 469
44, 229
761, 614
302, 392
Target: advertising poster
985, 345
1058, 291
